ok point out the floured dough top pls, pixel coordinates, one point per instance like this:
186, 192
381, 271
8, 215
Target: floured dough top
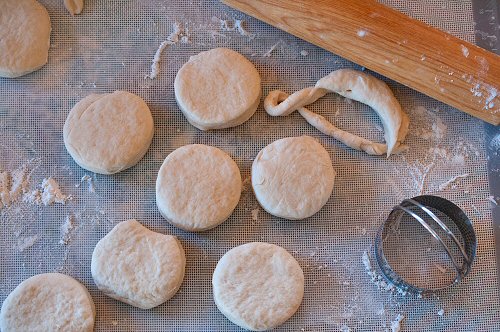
107, 133
258, 286
217, 89
137, 266
198, 187
24, 37
293, 177
48, 302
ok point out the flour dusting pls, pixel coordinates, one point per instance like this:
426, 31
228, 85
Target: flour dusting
396, 323
450, 182
465, 51
237, 25
362, 33
270, 51
13, 184
48, 194
377, 279
485, 91
27, 242
87, 178
66, 228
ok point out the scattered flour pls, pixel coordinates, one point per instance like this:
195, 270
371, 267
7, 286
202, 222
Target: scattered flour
270, 51
492, 94
492, 199
87, 178
440, 312
362, 33
465, 51
376, 278
483, 90
66, 228
27, 242
451, 181
439, 128
237, 25
495, 142
13, 184
396, 323
428, 125
304, 53
179, 34
48, 194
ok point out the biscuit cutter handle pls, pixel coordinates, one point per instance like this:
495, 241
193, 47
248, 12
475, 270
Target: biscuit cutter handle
388, 42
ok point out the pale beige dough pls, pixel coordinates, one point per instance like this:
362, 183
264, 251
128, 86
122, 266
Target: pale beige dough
137, 266
24, 37
107, 133
355, 85
48, 302
258, 286
198, 187
74, 6
217, 89
293, 177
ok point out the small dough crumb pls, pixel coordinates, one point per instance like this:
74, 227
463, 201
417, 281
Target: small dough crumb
74, 6
255, 214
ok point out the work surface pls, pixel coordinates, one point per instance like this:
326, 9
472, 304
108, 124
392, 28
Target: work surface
110, 47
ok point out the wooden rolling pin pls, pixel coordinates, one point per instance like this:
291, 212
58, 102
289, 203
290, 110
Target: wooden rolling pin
408, 51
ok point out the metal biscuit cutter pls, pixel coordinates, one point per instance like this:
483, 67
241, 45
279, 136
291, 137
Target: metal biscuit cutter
426, 244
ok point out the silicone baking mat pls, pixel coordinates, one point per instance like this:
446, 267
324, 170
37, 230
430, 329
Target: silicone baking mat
110, 47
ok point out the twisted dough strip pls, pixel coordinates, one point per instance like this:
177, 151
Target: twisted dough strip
357, 86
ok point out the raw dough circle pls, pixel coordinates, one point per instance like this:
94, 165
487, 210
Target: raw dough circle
24, 37
293, 177
198, 187
137, 266
258, 286
107, 133
217, 89
48, 302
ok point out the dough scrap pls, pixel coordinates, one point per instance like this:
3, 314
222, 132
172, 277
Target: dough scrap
74, 6
24, 37
198, 187
357, 86
258, 286
48, 302
217, 89
137, 266
107, 133
293, 177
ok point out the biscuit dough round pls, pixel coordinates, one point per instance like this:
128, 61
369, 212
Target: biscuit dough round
24, 37
198, 187
107, 133
217, 89
293, 177
137, 266
258, 286
48, 302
